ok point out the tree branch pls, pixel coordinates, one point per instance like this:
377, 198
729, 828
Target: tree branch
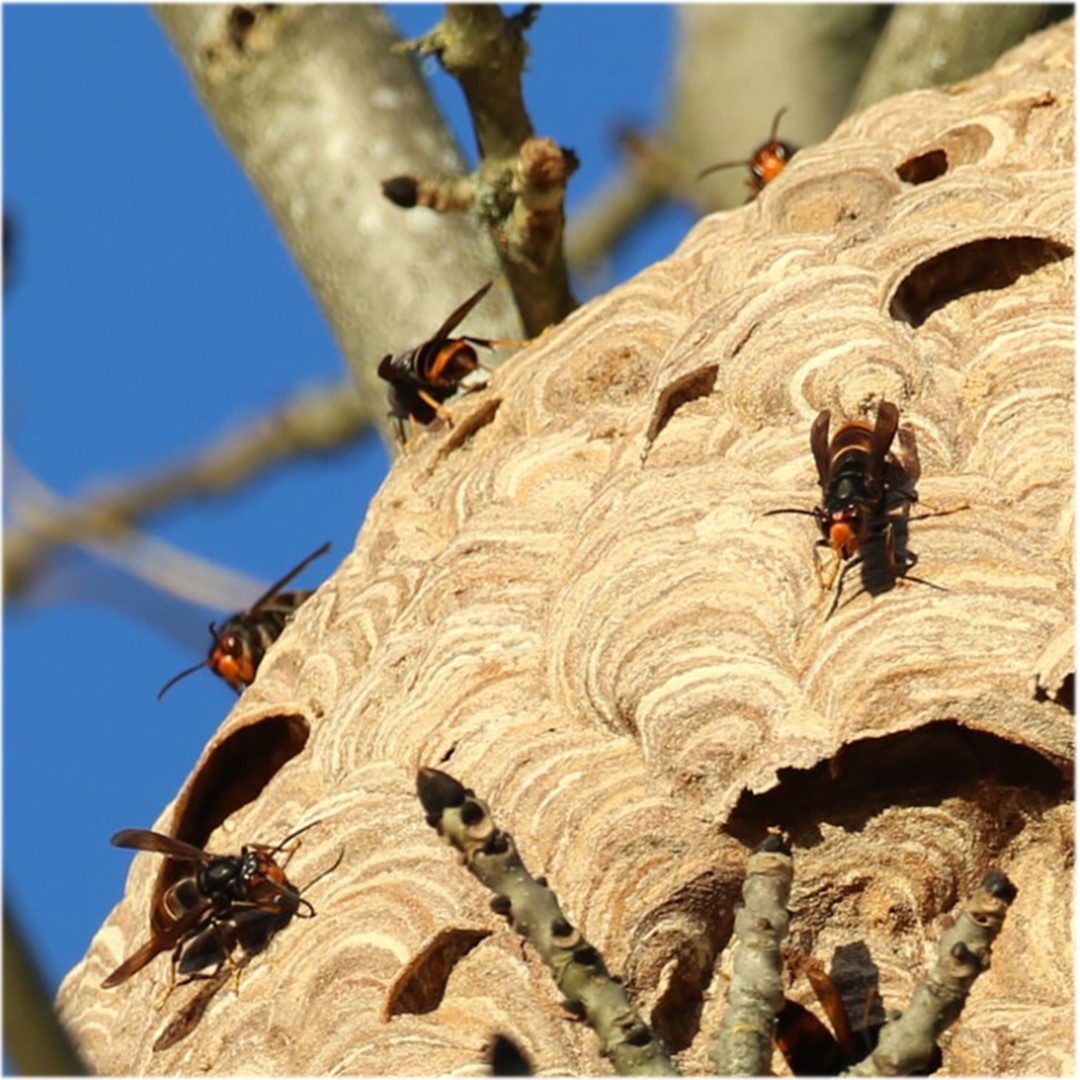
318, 110
907, 1042
932, 44
519, 187
315, 422
532, 909
34, 1038
485, 51
744, 1044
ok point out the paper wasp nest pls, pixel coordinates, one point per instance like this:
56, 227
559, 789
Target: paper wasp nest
572, 601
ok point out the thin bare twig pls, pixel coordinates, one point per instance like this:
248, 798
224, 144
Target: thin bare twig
519, 187
315, 422
160, 565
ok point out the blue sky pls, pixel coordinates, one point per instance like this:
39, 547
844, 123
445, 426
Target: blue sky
153, 307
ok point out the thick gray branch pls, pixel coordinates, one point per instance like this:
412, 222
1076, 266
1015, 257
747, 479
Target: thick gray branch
933, 44
319, 111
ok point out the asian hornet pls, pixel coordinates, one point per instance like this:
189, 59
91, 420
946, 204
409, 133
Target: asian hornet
765, 164
859, 478
200, 905
421, 379
239, 646
808, 1046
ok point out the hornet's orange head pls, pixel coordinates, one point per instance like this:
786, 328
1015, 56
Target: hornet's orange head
232, 660
845, 530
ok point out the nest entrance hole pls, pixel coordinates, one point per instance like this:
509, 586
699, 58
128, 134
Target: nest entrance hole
921, 767
237, 770
980, 266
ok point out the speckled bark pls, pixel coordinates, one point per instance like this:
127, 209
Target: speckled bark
319, 111
572, 600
